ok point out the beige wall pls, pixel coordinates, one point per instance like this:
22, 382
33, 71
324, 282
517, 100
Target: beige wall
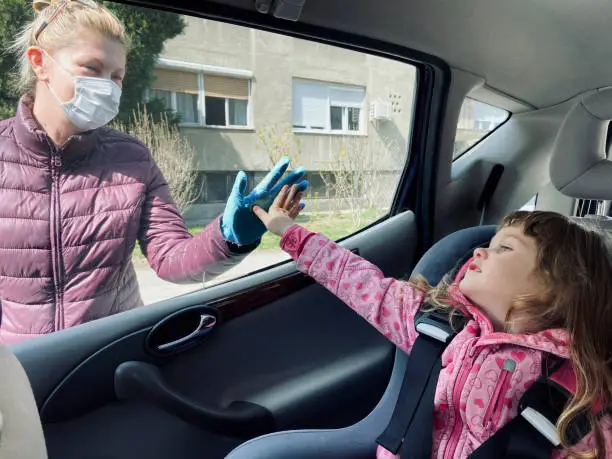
274, 61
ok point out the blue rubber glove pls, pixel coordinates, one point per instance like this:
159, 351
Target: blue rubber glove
239, 224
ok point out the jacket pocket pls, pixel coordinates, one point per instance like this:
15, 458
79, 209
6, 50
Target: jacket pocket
495, 406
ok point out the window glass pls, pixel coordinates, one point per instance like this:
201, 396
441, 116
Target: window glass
348, 128
245, 98
531, 204
586, 207
353, 118
237, 112
187, 107
215, 111
336, 118
164, 96
476, 120
216, 187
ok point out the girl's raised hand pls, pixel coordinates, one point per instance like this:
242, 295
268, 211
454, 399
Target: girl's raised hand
283, 211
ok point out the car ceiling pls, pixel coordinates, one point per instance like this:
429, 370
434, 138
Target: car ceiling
538, 52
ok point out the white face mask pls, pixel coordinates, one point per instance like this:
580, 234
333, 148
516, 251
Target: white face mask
95, 102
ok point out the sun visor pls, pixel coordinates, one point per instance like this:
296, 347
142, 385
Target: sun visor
578, 166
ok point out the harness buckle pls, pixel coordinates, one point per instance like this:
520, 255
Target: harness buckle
541, 405
541, 424
436, 325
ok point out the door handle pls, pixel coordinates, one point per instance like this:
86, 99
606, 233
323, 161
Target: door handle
207, 322
144, 382
182, 330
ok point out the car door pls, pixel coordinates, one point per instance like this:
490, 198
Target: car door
196, 374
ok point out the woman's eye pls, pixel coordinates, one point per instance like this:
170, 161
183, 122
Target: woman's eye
504, 247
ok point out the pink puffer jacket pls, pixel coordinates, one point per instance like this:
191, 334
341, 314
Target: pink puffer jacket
69, 220
484, 373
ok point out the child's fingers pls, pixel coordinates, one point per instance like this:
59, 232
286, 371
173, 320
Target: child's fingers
281, 197
295, 205
302, 205
291, 197
296, 208
261, 214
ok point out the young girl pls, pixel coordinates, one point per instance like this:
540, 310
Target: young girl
541, 288
75, 196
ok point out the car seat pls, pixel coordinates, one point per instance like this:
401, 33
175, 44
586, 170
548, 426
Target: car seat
359, 440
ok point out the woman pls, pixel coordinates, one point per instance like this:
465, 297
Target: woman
75, 196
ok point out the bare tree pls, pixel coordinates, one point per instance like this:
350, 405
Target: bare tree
279, 140
357, 173
174, 155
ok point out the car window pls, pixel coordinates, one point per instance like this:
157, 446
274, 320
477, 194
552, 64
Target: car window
222, 98
245, 98
586, 207
476, 120
531, 204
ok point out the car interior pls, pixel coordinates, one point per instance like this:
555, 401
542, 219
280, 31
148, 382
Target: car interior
282, 353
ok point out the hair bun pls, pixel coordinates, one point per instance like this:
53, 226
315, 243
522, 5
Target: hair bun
40, 5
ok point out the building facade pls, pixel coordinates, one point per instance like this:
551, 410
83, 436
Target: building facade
245, 97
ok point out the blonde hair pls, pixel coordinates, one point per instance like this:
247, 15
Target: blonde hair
574, 261
55, 26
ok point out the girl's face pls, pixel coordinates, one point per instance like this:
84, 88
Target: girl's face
502, 272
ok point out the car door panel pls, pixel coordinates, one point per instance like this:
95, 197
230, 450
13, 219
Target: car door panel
290, 347
133, 430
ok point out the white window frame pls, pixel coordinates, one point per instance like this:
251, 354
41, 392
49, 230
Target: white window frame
327, 129
202, 70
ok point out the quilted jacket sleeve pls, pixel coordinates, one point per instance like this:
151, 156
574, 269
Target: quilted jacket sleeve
174, 254
386, 303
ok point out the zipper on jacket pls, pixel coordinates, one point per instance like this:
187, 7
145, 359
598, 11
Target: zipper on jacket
499, 394
56, 237
464, 372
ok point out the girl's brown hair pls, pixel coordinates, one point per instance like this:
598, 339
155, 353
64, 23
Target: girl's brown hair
574, 263
56, 24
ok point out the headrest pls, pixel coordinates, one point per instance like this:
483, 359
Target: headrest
450, 252
21, 433
578, 166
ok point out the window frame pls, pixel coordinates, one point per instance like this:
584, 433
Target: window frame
201, 70
327, 130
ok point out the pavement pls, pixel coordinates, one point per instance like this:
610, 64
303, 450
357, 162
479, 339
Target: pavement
153, 289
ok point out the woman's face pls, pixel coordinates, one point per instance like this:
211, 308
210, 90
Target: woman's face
90, 54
